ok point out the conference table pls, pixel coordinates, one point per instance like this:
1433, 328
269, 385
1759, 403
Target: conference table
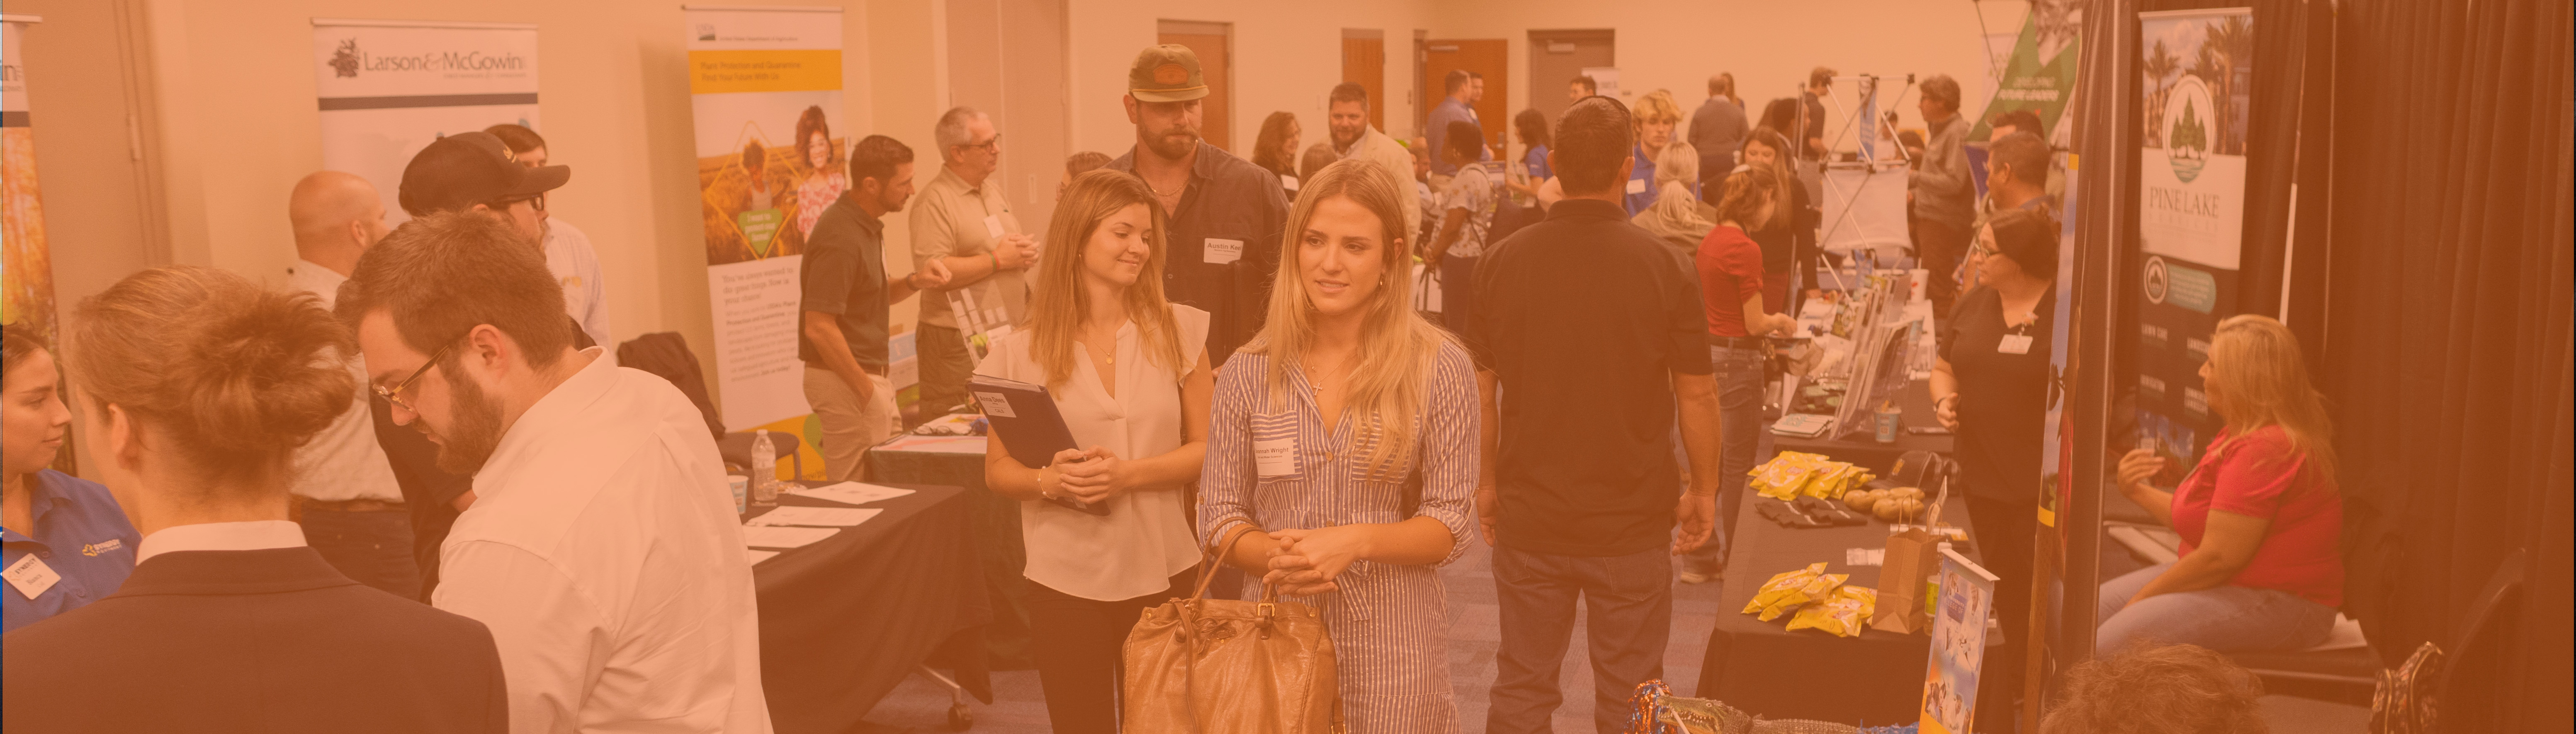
1762, 668
846, 618
1864, 449
994, 523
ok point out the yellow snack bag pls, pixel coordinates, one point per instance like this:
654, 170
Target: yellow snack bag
1817, 588
1781, 584
1780, 477
1843, 615
1828, 482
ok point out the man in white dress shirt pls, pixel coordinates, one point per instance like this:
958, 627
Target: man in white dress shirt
602, 548
352, 511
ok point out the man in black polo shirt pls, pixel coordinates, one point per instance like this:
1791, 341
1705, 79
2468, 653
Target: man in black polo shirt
1589, 328
846, 292
1226, 213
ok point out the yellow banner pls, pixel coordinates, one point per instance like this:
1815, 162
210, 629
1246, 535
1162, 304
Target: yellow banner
800, 70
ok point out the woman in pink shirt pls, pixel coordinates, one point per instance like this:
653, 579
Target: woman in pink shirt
2260, 518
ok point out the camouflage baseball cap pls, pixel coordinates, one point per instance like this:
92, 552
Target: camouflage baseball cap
1166, 73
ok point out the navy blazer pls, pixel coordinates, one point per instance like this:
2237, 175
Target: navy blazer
251, 641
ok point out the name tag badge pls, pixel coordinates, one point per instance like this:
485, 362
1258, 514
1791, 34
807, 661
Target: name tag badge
1288, 181
30, 576
1636, 186
1275, 457
2014, 344
1219, 252
993, 226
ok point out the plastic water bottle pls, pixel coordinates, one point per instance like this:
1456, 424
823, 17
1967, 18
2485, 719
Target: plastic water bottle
764, 470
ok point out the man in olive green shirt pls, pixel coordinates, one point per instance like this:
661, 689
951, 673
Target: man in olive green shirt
963, 218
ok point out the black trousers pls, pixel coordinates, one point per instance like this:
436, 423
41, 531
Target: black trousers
2006, 533
372, 548
1078, 643
946, 365
1941, 246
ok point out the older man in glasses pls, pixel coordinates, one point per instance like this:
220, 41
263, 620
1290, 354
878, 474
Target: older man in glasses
477, 173
962, 219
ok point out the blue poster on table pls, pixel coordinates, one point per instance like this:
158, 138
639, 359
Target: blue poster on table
1966, 596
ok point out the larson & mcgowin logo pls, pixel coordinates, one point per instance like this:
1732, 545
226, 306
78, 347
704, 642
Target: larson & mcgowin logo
347, 61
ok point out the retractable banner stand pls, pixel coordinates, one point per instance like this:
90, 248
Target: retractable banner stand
2199, 76
765, 84
27, 268
2039, 73
389, 88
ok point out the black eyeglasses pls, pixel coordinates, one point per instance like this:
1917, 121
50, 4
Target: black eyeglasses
990, 146
394, 395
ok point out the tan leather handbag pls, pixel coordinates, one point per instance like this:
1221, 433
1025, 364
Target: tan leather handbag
1222, 666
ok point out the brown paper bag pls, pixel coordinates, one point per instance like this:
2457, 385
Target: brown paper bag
1912, 558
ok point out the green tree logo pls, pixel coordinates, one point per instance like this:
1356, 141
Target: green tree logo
2189, 136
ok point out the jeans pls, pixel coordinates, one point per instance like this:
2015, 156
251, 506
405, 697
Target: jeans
1077, 643
1629, 600
2223, 618
1457, 291
1742, 433
372, 548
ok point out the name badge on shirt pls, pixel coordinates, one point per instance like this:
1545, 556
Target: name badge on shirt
2014, 344
30, 576
1219, 252
993, 226
1274, 457
1288, 181
1636, 186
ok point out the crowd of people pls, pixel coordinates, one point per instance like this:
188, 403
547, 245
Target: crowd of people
413, 492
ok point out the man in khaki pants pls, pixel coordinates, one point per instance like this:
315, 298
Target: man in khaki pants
846, 292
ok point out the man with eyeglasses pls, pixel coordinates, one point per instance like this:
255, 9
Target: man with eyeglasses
962, 218
472, 172
601, 551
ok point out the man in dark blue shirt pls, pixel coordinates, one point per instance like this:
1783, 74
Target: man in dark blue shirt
1226, 213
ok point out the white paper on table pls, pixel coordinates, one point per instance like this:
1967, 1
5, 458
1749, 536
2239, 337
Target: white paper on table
853, 493
763, 536
756, 556
827, 517
1864, 556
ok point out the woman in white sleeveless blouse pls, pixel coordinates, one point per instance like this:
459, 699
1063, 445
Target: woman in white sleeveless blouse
1128, 373
1345, 399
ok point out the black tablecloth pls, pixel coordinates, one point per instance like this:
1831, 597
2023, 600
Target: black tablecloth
1864, 449
846, 618
1762, 668
996, 529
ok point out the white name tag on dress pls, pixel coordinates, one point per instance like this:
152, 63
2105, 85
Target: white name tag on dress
1219, 252
2014, 344
1636, 186
30, 576
993, 226
1274, 457
1288, 181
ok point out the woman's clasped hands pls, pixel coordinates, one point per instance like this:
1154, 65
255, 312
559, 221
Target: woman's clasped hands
1308, 561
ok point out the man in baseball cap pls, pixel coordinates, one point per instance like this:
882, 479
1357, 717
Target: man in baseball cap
1225, 212
476, 172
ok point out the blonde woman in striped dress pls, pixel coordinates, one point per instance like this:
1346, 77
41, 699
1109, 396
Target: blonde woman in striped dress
1343, 443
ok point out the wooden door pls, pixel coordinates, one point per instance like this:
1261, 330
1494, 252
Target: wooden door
1488, 56
1364, 63
1556, 57
1213, 42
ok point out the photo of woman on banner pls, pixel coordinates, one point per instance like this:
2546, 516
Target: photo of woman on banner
825, 182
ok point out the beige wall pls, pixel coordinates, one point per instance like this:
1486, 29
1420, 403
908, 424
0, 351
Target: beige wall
1770, 46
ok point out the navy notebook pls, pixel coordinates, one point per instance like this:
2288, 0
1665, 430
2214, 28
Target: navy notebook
1025, 418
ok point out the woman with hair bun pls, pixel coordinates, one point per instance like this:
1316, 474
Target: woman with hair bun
68, 542
195, 387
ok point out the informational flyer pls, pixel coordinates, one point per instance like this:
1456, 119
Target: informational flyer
388, 88
2199, 76
1960, 607
765, 87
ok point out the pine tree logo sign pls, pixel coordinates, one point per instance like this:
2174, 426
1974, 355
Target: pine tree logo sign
2187, 127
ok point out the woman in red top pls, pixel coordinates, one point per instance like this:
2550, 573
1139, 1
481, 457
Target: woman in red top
1730, 277
2260, 517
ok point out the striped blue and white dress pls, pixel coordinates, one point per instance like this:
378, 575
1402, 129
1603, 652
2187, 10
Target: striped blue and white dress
1389, 624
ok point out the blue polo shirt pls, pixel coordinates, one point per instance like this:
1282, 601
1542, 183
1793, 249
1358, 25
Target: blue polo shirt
1641, 184
80, 534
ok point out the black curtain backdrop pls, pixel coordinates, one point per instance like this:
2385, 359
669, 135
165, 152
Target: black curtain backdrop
2447, 348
